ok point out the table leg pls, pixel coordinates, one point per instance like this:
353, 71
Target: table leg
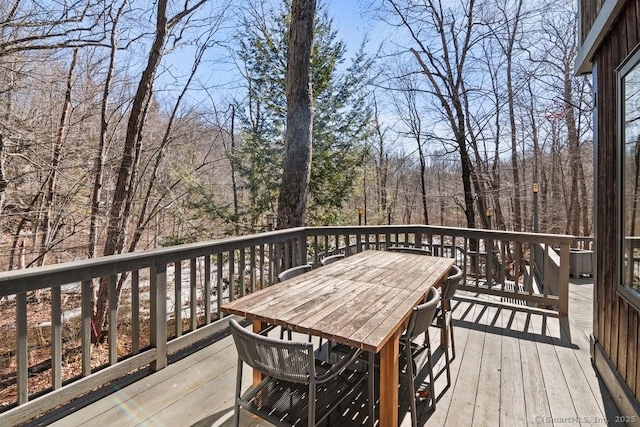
389, 365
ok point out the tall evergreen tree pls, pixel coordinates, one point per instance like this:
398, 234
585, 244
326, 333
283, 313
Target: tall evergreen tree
341, 114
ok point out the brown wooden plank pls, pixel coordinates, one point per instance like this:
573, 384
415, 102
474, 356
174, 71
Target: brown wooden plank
622, 338
306, 297
637, 391
361, 307
613, 300
273, 295
309, 316
359, 319
384, 323
631, 29
432, 273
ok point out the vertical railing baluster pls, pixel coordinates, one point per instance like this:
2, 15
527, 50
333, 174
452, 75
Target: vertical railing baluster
219, 284
207, 289
358, 243
158, 294
22, 349
315, 251
326, 245
193, 288
85, 312
271, 265
113, 320
232, 275
56, 337
546, 270
366, 241
529, 278
177, 296
262, 266
241, 271
252, 269
476, 257
516, 268
489, 263
135, 311
302, 249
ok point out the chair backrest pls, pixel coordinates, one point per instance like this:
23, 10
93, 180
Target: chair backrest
452, 282
293, 272
405, 250
423, 314
285, 360
332, 258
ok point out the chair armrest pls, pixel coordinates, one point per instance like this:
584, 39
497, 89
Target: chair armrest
345, 361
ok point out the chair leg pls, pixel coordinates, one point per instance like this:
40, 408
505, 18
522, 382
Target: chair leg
453, 344
236, 407
447, 362
288, 331
412, 388
432, 379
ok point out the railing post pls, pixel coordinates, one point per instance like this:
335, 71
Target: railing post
302, 247
563, 288
22, 349
113, 320
159, 314
87, 290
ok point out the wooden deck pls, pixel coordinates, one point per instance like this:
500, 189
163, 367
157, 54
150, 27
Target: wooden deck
512, 368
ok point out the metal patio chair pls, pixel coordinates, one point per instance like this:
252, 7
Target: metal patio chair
421, 318
297, 389
407, 250
333, 258
293, 272
443, 315
288, 274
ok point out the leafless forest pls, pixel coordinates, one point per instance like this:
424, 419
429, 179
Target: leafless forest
128, 125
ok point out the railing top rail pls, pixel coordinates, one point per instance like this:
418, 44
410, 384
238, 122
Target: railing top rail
24, 280
29, 279
450, 231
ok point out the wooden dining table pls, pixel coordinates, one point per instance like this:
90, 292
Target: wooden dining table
363, 301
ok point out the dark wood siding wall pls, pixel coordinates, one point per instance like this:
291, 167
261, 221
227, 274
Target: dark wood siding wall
588, 11
617, 322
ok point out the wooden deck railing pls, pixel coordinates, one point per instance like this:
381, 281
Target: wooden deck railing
171, 296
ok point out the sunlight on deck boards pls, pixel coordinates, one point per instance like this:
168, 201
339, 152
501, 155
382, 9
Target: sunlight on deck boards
511, 368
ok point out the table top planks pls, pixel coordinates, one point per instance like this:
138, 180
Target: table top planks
359, 301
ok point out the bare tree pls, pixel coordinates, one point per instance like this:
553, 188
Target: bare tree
442, 58
120, 210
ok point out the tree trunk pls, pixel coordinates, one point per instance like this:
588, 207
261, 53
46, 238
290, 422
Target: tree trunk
117, 221
292, 202
104, 127
52, 179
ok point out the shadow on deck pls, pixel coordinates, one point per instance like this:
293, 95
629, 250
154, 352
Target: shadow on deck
512, 367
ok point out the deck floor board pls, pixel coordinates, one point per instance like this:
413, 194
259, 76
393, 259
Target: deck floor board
511, 368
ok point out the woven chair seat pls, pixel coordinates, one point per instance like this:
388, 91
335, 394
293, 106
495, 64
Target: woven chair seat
286, 403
